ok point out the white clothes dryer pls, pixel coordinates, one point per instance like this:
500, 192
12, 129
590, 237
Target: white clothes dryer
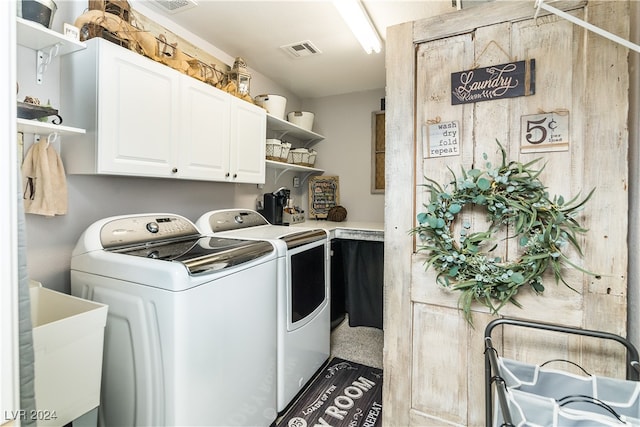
303, 286
191, 328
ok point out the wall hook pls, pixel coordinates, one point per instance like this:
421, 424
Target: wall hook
52, 137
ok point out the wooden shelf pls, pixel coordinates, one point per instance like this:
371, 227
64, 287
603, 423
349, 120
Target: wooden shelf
38, 37
42, 128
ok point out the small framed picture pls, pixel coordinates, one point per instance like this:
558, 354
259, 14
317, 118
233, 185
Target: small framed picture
72, 32
324, 193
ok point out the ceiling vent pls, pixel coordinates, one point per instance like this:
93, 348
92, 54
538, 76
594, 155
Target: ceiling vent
175, 6
301, 49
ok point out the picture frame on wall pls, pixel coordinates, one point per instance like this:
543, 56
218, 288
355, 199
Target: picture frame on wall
324, 193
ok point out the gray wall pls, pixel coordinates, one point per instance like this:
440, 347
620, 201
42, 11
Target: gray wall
345, 121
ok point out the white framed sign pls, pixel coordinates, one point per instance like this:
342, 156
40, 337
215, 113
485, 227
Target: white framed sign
443, 140
72, 32
544, 132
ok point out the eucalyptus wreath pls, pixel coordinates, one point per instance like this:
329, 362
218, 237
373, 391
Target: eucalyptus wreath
514, 198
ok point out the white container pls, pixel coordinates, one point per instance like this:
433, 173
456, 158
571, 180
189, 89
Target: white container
312, 157
274, 104
299, 156
68, 338
274, 149
286, 147
304, 119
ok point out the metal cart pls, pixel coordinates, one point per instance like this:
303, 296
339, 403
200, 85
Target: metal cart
498, 374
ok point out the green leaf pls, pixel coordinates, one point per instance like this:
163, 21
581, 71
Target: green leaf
538, 287
480, 200
475, 173
483, 184
455, 208
517, 278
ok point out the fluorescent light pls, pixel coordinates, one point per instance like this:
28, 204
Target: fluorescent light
358, 21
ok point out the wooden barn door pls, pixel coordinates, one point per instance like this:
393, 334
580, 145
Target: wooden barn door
433, 357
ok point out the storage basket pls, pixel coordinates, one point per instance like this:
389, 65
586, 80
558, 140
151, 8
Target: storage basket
312, 158
274, 104
286, 147
274, 149
573, 411
304, 119
529, 394
299, 156
621, 396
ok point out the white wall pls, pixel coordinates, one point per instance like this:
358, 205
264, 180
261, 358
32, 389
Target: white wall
50, 241
345, 122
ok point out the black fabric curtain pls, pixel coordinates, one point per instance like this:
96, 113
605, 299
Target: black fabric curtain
363, 268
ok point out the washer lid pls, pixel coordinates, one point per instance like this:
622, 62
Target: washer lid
201, 254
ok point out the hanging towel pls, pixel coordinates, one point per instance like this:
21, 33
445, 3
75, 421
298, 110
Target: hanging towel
43, 181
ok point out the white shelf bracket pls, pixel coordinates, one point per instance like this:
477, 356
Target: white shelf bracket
43, 59
279, 175
541, 4
307, 175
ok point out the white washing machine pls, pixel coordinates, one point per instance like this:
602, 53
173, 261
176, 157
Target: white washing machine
191, 328
303, 283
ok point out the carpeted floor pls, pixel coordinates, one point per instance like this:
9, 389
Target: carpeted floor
360, 344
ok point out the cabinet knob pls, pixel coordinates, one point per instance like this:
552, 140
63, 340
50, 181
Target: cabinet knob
174, 170
226, 175
235, 175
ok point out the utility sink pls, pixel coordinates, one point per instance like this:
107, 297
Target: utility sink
68, 338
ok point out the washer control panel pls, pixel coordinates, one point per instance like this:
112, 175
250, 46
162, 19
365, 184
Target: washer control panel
142, 229
235, 219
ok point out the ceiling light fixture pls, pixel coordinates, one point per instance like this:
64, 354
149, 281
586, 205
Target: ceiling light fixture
358, 21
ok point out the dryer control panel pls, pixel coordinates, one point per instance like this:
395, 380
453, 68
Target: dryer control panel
144, 229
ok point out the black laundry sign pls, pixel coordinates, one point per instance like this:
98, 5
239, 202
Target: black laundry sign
495, 82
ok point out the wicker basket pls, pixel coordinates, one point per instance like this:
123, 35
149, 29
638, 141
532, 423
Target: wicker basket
274, 150
299, 156
312, 158
286, 147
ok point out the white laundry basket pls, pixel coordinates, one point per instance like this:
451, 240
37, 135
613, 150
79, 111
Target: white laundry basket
274, 104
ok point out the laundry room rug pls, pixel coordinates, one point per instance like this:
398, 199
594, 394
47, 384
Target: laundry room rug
344, 393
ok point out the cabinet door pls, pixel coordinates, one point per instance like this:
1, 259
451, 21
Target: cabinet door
203, 146
248, 142
137, 114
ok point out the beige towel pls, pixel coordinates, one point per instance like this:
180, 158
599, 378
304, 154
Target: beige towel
43, 181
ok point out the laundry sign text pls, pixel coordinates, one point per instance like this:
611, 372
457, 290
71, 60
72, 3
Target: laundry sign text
444, 139
495, 82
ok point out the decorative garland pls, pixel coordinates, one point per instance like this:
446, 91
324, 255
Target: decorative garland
513, 196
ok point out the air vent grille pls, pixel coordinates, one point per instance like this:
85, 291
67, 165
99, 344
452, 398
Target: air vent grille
175, 6
301, 49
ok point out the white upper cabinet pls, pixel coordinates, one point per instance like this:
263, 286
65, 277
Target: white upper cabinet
137, 113
248, 126
204, 143
146, 119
